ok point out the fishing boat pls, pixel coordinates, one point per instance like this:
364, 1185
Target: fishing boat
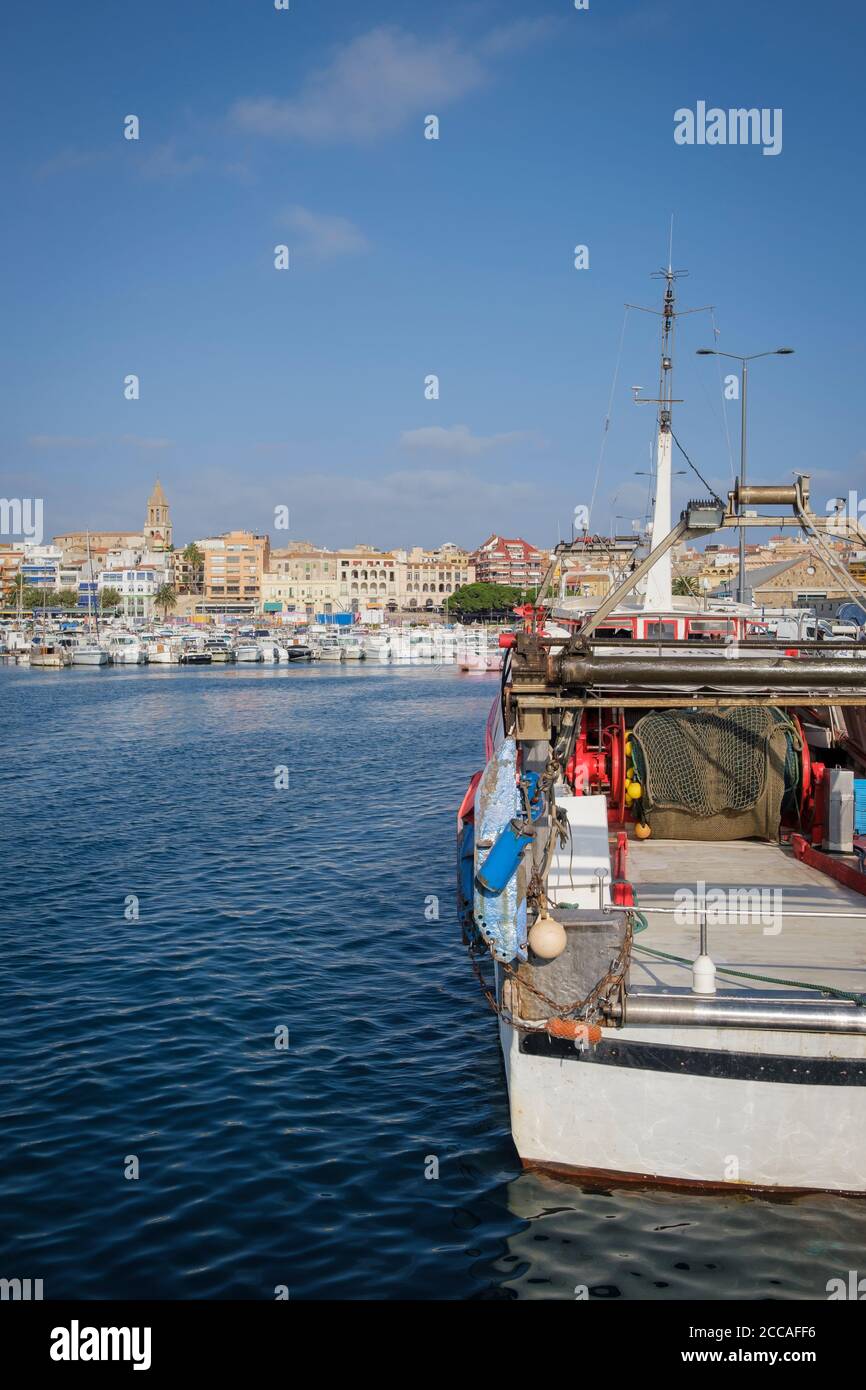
656, 878
46, 652
162, 651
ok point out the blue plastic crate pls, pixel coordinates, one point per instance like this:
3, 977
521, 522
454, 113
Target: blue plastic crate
860, 805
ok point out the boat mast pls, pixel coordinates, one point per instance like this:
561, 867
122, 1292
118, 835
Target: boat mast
658, 596
90, 609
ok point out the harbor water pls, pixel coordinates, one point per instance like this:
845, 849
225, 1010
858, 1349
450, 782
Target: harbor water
243, 1048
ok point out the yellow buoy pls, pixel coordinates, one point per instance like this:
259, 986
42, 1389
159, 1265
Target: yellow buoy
634, 791
642, 831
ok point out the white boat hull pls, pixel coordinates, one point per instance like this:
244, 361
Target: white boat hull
90, 657
132, 656
644, 1108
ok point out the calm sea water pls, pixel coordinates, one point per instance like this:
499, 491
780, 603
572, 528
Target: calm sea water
302, 909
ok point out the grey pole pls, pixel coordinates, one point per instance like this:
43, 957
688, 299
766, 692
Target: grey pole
744, 361
745, 377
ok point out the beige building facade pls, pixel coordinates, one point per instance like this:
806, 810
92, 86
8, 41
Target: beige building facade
426, 579
234, 566
301, 580
306, 579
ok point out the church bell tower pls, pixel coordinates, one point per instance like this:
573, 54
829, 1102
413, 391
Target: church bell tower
157, 527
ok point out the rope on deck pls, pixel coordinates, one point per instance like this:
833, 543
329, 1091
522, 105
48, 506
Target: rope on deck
643, 925
764, 979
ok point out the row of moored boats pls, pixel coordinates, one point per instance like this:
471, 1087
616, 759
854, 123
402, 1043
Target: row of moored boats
472, 649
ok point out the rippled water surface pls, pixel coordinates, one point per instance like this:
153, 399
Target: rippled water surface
261, 909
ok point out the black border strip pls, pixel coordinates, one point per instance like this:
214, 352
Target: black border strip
696, 1061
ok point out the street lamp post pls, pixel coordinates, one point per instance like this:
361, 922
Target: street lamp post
744, 381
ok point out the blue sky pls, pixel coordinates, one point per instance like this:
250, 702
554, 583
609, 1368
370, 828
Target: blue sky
409, 257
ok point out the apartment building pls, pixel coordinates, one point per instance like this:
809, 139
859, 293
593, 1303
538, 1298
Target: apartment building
427, 578
502, 560
137, 587
186, 578
234, 565
302, 580
367, 579
74, 544
10, 564
40, 565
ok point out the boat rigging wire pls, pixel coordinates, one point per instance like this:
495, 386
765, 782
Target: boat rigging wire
710, 490
852, 587
716, 333
608, 417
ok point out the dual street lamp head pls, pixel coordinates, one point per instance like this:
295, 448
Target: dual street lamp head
714, 352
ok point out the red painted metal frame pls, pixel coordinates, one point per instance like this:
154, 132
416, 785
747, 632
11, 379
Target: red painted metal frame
826, 864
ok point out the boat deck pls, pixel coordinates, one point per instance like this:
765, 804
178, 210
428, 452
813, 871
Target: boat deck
804, 926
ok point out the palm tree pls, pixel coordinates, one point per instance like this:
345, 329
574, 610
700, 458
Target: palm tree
16, 587
165, 598
195, 559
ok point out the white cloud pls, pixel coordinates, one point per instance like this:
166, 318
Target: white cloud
69, 161
408, 506
60, 441
458, 439
143, 442
163, 162
323, 235
74, 441
519, 35
373, 85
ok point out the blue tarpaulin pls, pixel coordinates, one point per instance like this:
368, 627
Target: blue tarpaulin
501, 917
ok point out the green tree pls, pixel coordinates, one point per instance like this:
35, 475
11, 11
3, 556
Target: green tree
685, 588
67, 598
13, 589
473, 600
165, 598
110, 598
38, 597
195, 559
